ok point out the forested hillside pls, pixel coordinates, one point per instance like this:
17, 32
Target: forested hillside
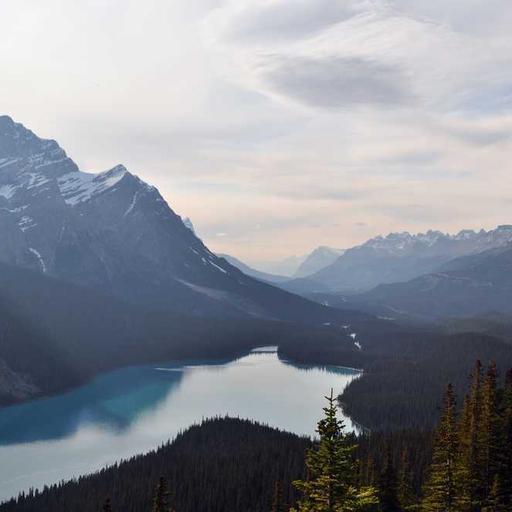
223, 464
55, 334
405, 370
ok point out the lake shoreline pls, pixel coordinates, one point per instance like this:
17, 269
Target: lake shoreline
237, 354
134, 410
89, 378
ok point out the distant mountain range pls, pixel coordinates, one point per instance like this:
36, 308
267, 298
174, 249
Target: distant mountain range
294, 266
467, 286
395, 258
400, 257
422, 277
303, 265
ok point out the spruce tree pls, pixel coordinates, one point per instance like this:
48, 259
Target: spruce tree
489, 432
505, 450
406, 495
495, 501
331, 485
442, 490
388, 485
107, 507
471, 466
367, 470
277, 501
161, 497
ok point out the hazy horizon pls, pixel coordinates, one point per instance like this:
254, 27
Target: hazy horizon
278, 126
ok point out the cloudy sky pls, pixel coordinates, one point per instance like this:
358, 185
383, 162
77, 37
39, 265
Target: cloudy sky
278, 125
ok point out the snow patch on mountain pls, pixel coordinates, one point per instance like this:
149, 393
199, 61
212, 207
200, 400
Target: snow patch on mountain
132, 204
6, 162
37, 254
26, 222
78, 187
8, 191
36, 180
188, 224
404, 242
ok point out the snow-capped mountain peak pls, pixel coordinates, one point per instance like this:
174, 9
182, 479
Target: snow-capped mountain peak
188, 223
31, 166
114, 232
403, 256
467, 240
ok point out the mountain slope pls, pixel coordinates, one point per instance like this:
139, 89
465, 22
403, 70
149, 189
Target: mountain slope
318, 259
466, 286
115, 233
257, 274
400, 257
285, 267
55, 334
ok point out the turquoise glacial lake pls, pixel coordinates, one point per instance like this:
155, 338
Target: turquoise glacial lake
133, 410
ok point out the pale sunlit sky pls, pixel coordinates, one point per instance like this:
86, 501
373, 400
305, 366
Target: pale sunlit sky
280, 125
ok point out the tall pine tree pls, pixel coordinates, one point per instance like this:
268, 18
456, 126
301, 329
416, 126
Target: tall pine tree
278, 504
388, 485
161, 497
471, 465
504, 480
442, 490
490, 432
406, 495
331, 485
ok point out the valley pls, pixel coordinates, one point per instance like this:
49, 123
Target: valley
102, 284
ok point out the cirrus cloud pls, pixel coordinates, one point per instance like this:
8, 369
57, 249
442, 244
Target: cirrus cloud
337, 82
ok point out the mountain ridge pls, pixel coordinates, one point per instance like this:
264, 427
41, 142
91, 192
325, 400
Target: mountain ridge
472, 285
115, 233
257, 274
318, 259
401, 256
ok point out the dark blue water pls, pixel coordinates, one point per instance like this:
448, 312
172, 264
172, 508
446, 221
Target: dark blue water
133, 410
